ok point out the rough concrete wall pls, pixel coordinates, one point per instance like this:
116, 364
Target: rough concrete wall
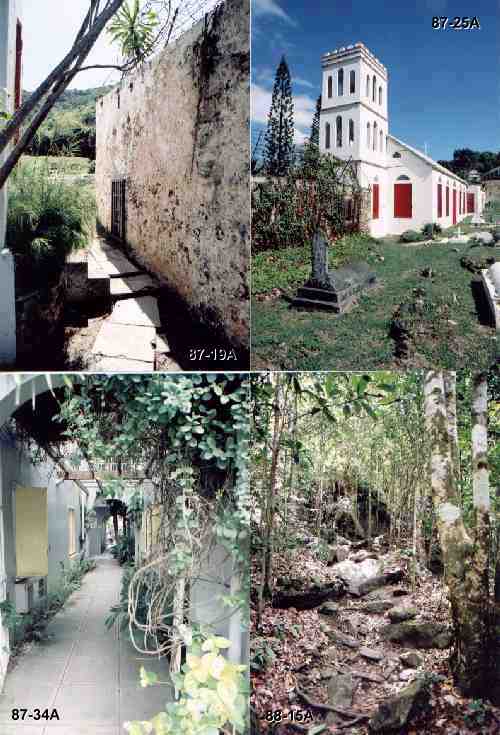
178, 131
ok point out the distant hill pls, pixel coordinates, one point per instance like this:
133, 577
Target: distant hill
465, 160
70, 126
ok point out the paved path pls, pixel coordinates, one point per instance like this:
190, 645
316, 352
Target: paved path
129, 337
89, 674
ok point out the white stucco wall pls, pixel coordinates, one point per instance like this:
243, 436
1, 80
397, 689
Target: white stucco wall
10, 11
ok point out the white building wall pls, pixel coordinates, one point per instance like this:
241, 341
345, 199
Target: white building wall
10, 11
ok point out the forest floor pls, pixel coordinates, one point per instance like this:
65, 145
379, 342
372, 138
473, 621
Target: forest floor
303, 652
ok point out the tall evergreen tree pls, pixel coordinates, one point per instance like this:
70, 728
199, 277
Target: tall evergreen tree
314, 139
311, 149
279, 147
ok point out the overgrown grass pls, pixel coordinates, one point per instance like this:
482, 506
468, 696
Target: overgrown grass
62, 165
48, 217
287, 338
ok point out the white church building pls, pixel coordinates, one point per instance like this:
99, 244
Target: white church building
408, 189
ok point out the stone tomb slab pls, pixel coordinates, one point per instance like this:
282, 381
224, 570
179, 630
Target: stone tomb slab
344, 284
129, 342
142, 312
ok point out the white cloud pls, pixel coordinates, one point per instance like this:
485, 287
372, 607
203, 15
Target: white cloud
271, 7
302, 82
303, 111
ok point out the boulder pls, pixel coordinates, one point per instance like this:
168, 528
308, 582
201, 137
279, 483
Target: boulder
309, 598
376, 607
411, 659
419, 635
407, 674
400, 614
394, 713
355, 574
371, 654
329, 608
339, 553
362, 555
340, 694
484, 237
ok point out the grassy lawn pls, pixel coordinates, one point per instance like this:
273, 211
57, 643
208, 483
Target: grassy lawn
287, 338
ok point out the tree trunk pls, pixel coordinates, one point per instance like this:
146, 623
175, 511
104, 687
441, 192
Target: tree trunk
463, 571
270, 496
53, 86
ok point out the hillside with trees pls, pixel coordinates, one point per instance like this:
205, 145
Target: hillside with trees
70, 126
375, 567
465, 160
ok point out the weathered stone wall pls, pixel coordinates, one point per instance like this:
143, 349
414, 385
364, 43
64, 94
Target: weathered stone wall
178, 131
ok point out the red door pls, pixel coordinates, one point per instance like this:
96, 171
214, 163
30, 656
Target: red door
376, 198
454, 206
402, 200
470, 203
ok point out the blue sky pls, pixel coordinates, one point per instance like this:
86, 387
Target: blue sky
443, 85
50, 27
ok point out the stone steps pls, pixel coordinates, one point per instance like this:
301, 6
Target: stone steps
129, 337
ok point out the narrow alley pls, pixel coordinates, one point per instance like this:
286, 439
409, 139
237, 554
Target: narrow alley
88, 674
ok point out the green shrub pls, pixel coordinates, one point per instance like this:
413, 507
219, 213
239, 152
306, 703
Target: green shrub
124, 550
431, 229
48, 217
286, 212
411, 236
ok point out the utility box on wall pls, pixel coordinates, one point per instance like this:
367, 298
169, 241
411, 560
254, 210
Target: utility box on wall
32, 555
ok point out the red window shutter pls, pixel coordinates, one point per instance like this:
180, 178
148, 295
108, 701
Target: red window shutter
470, 203
447, 201
403, 200
375, 212
440, 200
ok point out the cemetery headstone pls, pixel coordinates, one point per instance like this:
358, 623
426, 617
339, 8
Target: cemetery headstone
335, 291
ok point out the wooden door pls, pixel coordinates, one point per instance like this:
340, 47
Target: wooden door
376, 201
454, 206
403, 200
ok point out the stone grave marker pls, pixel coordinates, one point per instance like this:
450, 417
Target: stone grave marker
335, 291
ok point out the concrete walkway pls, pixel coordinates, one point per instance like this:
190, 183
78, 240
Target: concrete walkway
130, 336
88, 674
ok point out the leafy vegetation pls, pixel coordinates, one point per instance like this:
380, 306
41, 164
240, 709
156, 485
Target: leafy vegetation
134, 29
341, 464
466, 159
48, 217
31, 626
123, 551
70, 125
287, 212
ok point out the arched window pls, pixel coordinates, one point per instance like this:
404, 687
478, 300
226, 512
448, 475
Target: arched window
330, 87
327, 135
403, 177
367, 86
339, 131
368, 134
351, 132
340, 90
352, 81
374, 136
380, 95
374, 88
396, 155
381, 142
